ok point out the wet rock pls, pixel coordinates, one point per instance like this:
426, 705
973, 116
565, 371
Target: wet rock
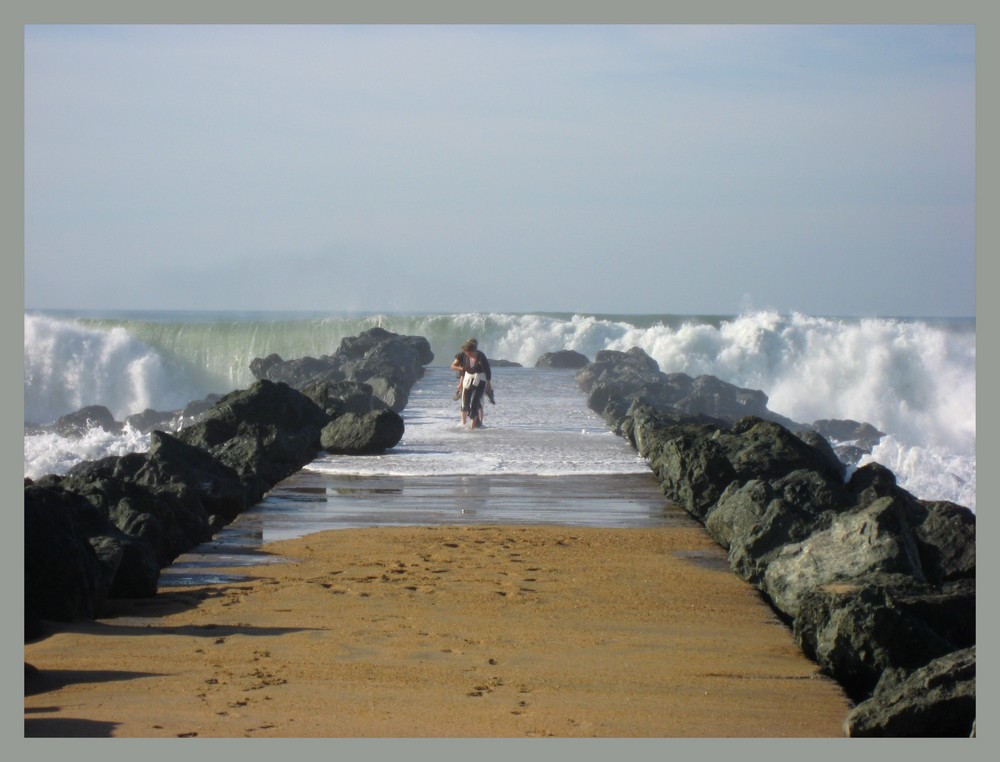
365, 434
93, 416
863, 436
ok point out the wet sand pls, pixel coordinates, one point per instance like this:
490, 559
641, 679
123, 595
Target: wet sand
455, 631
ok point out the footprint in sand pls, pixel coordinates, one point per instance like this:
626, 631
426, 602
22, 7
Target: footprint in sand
486, 687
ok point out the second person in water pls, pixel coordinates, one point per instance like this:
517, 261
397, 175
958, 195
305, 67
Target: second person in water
476, 381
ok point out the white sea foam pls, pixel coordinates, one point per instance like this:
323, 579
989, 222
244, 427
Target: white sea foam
540, 426
50, 453
915, 380
68, 366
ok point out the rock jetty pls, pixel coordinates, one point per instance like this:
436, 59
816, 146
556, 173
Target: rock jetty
106, 529
877, 585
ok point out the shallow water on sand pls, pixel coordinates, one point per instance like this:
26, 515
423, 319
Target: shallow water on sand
543, 458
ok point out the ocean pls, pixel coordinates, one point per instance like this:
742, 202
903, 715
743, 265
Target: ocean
914, 379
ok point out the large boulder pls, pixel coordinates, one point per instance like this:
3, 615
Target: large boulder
167, 517
756, 520
946, 539
857, 629
338, 397
366, 434
264, 433
690, 463
871, 540
696, 462
938, 699
296, 373
388, 363
849, 433
616, 379
764, 449
75, 558
93, 416
625, 369
378, 341
64, 579
564, 358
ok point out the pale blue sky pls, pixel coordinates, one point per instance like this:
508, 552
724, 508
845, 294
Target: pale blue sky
659, 169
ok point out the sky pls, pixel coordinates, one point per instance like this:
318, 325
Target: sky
685, 169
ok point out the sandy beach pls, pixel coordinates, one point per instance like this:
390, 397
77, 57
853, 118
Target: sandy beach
464, 631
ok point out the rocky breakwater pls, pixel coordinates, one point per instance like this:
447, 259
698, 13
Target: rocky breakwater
105, 529
877, 586
376, 365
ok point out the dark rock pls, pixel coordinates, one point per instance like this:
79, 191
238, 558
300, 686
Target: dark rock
872, 482
818, 442
691, 466
949, 609
863, 436
756, 520
633, 368
173, 463
764, 449
564, 358
107, 527
873, 581
264, 433
946, 539
64, 579
367, 434
149, 420
857, 629
937, 700
90, 417
169, 520
633, 376
260, 366
76, 559
299, 372
138, 571
381, 341
696, 463
874, 539
505, 364
338, 397
387, 362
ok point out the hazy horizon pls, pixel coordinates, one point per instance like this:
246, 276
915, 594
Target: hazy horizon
650, 169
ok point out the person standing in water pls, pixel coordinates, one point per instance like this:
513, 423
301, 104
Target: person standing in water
476, 381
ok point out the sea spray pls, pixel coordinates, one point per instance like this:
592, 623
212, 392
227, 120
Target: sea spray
68, 366
913, 379
50, 453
